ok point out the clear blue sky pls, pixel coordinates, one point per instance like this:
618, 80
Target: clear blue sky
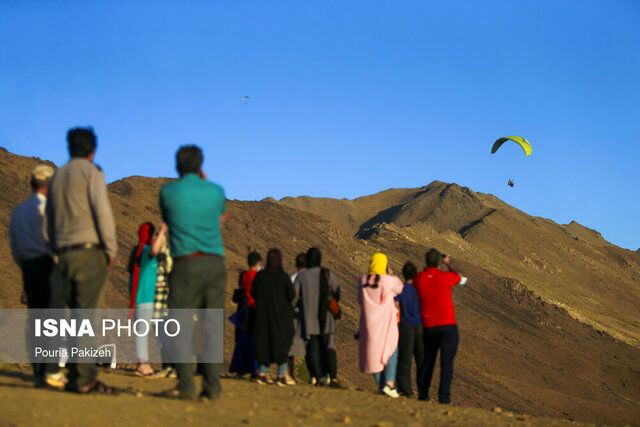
347, 97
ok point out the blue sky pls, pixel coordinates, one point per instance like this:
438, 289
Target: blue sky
347, 98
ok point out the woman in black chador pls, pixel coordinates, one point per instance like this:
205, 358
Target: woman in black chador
274, 294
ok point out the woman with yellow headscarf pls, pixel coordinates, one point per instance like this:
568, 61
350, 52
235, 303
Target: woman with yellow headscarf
379, 323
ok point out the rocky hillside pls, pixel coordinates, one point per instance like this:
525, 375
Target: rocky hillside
570, 265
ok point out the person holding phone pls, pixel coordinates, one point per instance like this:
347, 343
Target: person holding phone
440, 331
379, 324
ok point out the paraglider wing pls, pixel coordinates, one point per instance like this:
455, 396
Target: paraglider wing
522, 142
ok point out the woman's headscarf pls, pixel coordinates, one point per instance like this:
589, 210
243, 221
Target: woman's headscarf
274, 260
145, 234
378, 264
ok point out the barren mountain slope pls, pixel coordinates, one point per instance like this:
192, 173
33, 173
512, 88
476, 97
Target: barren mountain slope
568, 265
349, 215
517, 351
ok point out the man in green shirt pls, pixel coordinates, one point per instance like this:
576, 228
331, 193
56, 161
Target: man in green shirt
195, 209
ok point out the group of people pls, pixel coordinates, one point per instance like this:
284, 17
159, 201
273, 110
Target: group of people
64, 239
280, 317
415, 319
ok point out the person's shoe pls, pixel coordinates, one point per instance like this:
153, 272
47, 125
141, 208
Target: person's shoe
390, 391
174, 393
97, 387
281, 381
261, 379
150, 373
166, 373
335, 383
313, 381
56, 380
206, 397
324, 381
289, 380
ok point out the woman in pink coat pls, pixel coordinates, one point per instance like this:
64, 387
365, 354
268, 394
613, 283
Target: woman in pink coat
379, 324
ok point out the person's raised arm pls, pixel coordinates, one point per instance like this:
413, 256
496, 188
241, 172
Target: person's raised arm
397, 285
462, 280
160, 240
224, 214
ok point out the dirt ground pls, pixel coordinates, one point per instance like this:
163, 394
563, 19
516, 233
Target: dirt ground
242, 402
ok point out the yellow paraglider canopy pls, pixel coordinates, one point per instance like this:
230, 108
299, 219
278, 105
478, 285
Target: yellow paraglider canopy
526, 145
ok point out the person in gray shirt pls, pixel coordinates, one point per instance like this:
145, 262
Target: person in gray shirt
83, 236
31, 252
318, 329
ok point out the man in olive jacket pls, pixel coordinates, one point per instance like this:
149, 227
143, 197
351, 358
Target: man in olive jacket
82, 234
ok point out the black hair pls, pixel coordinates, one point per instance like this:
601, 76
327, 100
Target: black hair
433, 258
409, 270
301, 261
253, 259
313, 257
189, 159
375, 283
274, 260
81, 142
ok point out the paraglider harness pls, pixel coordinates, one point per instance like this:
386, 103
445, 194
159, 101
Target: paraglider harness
510, 183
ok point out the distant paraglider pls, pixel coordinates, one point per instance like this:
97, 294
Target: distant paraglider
246, 98
522, 142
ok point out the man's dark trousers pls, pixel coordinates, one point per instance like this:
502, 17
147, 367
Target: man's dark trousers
78, 281
321, 360
444, 339
36, 274
198, 283
410, 345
